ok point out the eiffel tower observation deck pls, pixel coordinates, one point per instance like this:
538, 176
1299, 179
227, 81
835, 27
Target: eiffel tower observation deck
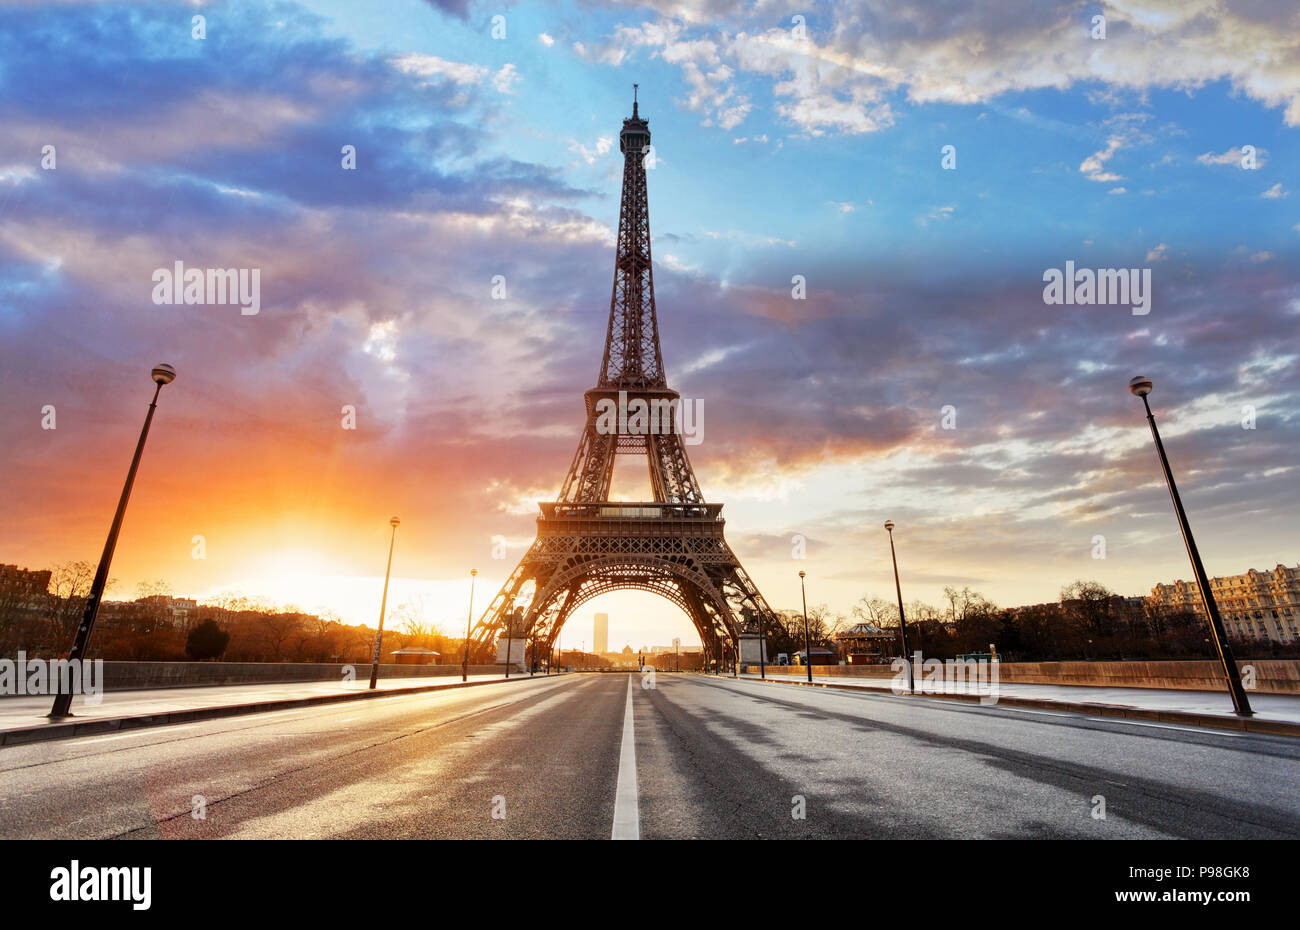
588, 544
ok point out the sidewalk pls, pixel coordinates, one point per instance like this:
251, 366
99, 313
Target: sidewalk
1274, 713
22, 719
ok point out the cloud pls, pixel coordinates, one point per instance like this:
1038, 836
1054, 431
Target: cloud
439, 70
711, 88
1232, 157
504, 79
604, 145
1092, 167
1275, 192
456, 8
860, 54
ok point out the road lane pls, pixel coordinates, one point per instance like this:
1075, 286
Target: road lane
424, 765
721, 757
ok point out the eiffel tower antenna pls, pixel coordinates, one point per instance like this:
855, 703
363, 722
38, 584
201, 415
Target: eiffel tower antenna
672, 545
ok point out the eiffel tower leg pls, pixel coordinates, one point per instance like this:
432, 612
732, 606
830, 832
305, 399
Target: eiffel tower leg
495, 617
553, 627
705, 623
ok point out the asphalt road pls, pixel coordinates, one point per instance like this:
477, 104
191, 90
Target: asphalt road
706, 758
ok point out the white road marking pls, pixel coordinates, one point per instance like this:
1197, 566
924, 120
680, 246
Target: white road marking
627, 815
1166, 726
159, 731
1045, 713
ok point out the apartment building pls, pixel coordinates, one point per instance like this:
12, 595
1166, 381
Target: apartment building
1254, 605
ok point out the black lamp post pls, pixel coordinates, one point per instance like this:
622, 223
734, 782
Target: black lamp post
902, 624
162, 374
762, 648
1241, 704
807, 646
383, 603
464, 665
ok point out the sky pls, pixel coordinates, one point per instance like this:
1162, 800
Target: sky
919, 377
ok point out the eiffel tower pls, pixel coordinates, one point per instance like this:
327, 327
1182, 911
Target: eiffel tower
588, 545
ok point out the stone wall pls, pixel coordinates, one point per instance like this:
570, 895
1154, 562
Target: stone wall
134, 676
1272, 676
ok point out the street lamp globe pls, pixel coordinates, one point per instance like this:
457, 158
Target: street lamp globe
164, 373
394, 522
801, 574
889, 525
1140, 386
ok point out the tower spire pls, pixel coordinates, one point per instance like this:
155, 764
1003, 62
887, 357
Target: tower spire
633, 358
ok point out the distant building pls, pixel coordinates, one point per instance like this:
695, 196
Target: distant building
176, 611
819, 656
1254, 605
600, 635
23, 589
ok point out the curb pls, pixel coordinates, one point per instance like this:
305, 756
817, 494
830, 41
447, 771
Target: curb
52, 731
1209, 721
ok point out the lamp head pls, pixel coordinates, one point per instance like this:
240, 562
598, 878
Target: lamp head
393, 522
801, 574
473, 572
889, 525
164, 373
1140, 386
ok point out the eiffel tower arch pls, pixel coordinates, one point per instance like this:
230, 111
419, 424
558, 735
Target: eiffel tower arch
588, 545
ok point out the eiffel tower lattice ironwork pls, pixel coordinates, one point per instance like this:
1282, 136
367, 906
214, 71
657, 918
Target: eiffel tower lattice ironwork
588, 545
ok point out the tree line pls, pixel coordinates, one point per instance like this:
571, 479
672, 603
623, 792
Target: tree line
1088, 621
233, 628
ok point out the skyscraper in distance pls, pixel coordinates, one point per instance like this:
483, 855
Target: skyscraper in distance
601, 634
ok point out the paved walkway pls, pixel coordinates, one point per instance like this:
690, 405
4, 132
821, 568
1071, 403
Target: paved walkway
1281, 707
26, 711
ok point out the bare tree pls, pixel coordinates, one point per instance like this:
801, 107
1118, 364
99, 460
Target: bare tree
877, 611
69, 587
1089, 605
